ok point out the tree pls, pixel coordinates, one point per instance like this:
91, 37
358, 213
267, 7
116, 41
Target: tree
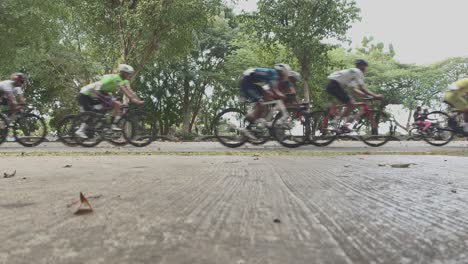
302, 26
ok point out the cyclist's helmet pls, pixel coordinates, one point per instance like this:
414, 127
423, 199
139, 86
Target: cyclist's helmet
283, 69
361, 63
126, 68
295, 76
19, 77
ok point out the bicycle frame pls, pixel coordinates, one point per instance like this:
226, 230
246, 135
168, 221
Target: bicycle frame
361, 105
276, 105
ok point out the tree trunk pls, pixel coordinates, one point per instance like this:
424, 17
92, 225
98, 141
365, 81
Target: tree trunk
305, 76
186, 109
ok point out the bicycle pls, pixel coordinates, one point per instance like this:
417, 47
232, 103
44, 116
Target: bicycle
288, 125
363, 123
136, 127
438, 134
29, 129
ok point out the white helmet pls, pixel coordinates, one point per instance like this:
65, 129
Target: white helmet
126, 68
283, 69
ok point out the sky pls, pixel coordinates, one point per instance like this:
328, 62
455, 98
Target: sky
422, 31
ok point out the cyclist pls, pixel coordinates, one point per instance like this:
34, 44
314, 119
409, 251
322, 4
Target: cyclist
11, 92
455, 98
340, 81
288, 88
420, 119
251, 88
104, 91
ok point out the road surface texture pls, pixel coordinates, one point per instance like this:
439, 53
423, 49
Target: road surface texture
235, 209
460, 147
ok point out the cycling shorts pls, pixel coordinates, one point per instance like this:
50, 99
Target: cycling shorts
250, 90
334, 88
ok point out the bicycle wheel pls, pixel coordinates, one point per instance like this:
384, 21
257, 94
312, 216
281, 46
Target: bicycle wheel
292, 131
260, 131
439, 118
116, 138
374, 135
228, 126
65, 130
438, 136
139, 128
94, 128
321, 133
414, 134
29, 130
3, 129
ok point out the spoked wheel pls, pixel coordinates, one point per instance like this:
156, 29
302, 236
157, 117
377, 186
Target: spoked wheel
116, 138
3, 129
414, 134
292, 131
139, 128
377, 134
29, 130
261, 133
439, 118
229, 126
94, 128
438, 136
65, 130
322, 132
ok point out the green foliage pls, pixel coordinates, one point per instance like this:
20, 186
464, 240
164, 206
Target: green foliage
302, 25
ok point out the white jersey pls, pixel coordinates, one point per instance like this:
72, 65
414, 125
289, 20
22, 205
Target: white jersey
9, 87
348, 78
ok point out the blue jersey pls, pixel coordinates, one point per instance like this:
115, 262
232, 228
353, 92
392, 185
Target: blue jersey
262, 75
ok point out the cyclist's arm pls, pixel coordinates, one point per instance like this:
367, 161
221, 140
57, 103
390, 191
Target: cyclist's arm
10, 98
128, 92
21, 99
363, 91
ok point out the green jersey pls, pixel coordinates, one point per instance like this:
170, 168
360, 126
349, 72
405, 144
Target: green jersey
108, 85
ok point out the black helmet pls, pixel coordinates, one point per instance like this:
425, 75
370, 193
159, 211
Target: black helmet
361, 63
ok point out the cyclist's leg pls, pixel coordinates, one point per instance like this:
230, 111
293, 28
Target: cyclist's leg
254, 93
334, 88
85, 102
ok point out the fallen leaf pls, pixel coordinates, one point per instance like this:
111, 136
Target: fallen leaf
382, 164
276, 220
6, 175
256, 158
24, 178
454, 191
84, 207
347, 166
67, 166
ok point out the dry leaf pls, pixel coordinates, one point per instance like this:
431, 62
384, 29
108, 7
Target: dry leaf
67, 166
84, 207
6, 175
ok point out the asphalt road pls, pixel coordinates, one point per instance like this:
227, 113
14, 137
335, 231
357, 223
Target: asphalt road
234, 209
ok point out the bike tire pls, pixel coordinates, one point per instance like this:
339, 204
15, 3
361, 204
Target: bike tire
3, 129
65, 131
23, 126
93, 130
139, 128
443, 142
317, 136
120, 140
221, 121
298, 127
373, 139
